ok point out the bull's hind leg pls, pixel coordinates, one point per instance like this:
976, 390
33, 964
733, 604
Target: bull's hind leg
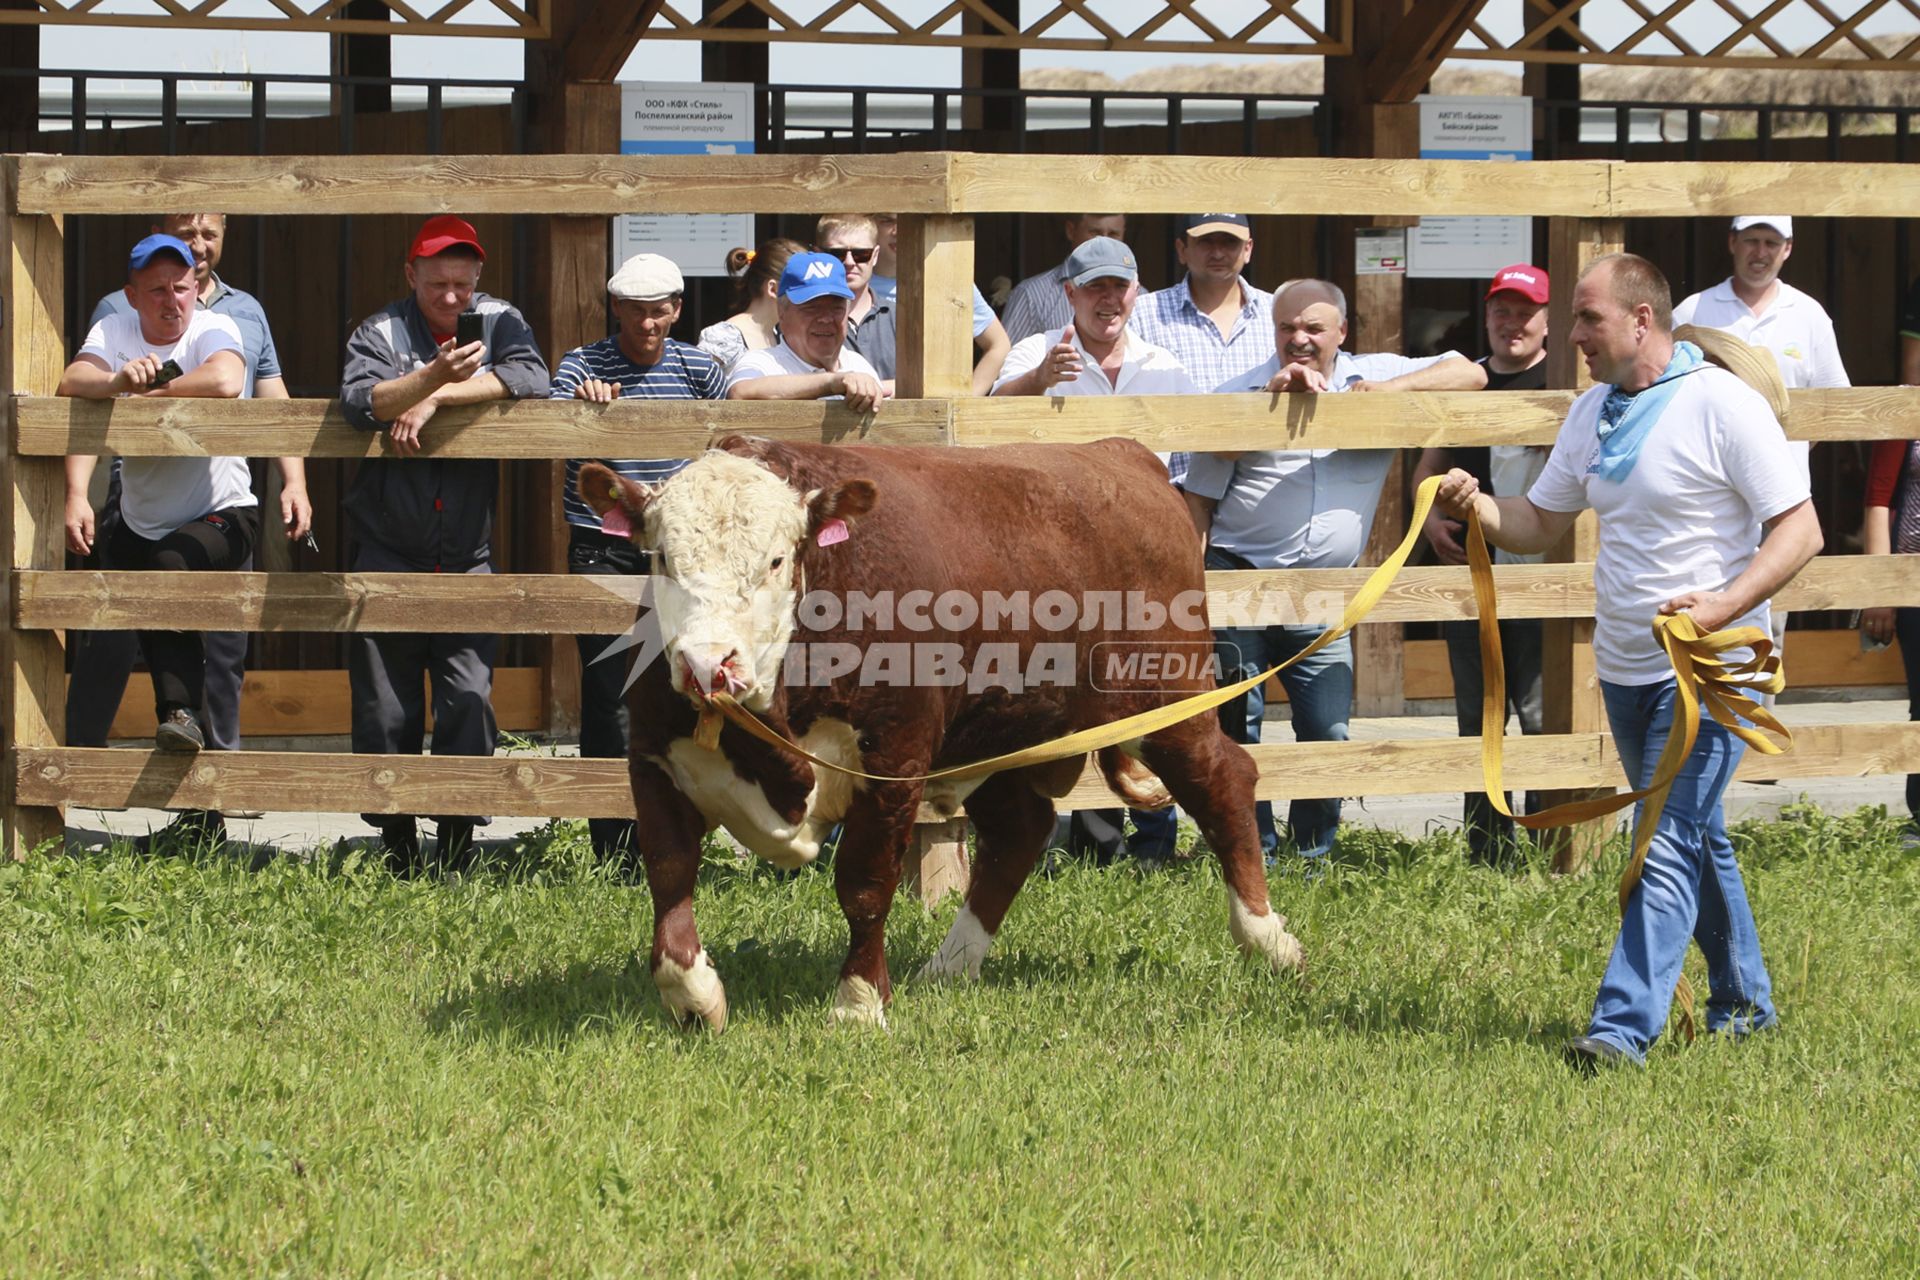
1212, 778
671, 828
866, 871
1011, 823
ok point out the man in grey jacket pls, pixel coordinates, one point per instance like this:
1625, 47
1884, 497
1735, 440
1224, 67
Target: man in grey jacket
410, 514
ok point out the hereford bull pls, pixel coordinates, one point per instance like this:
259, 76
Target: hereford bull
746, 531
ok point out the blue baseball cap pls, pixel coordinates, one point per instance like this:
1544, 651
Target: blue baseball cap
1100, 258
814, 275
155, 245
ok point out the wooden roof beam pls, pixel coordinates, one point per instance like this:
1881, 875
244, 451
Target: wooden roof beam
1417, 47
602, 40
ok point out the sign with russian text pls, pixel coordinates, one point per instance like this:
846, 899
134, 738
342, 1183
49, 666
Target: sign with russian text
665, 118
1471, 128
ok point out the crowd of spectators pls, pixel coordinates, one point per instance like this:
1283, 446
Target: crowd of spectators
812, 321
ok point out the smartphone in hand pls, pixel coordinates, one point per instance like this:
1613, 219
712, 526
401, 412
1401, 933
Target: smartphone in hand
470, 328
168, 372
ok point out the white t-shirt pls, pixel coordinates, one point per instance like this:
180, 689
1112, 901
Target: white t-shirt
779, 360
1145, 370
1687, 518
1794, 327
158, 495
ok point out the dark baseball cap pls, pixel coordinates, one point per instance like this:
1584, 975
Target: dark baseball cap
154, 246
1205, 224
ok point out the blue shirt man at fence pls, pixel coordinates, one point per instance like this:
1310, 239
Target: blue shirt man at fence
1302, 509
639, 362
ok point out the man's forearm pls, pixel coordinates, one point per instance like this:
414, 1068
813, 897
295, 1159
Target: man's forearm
1793, 539
1457, 374
85, 380
397, 395
786, 386
214, 380
1876, 532
1519, 526
79, 469
478, 389
1030, 383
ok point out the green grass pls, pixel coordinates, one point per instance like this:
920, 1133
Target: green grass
312, 1069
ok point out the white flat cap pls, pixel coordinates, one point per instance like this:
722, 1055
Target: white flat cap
646, 277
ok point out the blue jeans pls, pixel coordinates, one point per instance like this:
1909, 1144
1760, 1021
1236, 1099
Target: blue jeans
1320, 691
1691, 886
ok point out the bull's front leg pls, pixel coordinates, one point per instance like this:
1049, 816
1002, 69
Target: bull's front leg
866, 870
669, 833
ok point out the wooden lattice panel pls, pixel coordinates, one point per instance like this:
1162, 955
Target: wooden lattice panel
1700, 33
1179, 26
510, 19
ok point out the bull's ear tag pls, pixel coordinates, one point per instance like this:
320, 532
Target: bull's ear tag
832, 531
615, 523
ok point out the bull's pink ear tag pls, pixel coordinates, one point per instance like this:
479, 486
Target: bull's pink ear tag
615, 523
834, 530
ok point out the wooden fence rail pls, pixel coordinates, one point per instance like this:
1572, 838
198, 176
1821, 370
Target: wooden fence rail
935, 193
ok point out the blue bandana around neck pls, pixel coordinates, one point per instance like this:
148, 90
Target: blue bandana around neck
1627, 416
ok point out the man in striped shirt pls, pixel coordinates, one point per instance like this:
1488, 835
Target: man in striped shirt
639, 362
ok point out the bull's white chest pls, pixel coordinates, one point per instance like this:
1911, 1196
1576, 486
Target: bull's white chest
739, 804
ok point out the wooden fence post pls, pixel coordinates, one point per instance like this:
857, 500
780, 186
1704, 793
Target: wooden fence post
935, 307
936, 861
32, 528
1570, 688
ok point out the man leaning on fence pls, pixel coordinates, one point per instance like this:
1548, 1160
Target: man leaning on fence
639, 362
1704, 507
812, 360
1095, 354
175, 513
102, 660
1515, 315
410, 514
1302, 509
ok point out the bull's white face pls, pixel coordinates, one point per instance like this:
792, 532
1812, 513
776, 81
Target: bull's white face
726, 534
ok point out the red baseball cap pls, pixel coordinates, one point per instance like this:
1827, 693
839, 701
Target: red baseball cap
439, 234
1530, 282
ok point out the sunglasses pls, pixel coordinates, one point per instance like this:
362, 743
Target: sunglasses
857, 255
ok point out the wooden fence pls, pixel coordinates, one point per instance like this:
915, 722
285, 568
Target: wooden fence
935, 193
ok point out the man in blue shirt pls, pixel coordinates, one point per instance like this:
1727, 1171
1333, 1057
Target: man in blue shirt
1302, 509
638, 362
102, 660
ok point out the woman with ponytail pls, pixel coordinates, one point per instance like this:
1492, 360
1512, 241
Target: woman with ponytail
752, 326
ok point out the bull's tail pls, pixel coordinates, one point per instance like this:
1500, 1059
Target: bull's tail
1132, 781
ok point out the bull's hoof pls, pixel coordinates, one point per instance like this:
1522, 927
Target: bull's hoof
1265, 937
694, 995
857, 1003
960, 953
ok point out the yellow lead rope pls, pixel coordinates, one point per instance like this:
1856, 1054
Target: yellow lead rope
1701, 671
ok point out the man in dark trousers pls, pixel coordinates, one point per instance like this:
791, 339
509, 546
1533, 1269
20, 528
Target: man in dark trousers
1516, 319
640, 362
429, 515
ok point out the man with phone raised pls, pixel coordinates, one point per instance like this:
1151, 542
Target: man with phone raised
175, 513
412, 514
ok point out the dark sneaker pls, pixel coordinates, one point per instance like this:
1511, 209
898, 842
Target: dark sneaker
1590, 1054
179, 731
456, 843
195, 831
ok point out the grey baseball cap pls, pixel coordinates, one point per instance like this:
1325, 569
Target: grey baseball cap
1100, 258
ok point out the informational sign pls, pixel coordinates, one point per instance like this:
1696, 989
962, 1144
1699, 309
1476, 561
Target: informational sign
1380, 251
664, 118
1464, 128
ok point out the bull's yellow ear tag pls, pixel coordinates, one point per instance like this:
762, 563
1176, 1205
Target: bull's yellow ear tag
706, 734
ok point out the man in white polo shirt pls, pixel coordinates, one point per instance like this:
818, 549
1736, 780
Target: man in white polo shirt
812, 360
1302, 509
175, 513
1755, 305
1095, 354
1704, 508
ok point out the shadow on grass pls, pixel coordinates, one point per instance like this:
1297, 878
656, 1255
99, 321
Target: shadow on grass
768, 983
